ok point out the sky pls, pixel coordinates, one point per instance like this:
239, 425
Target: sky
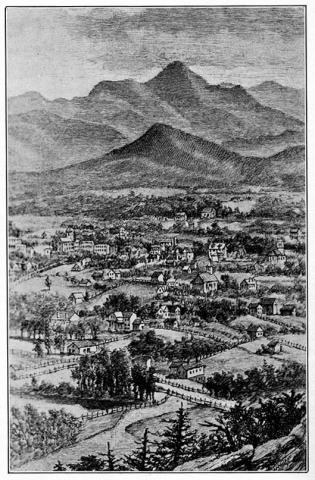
64, 52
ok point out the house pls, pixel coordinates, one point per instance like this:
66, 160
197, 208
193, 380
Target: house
180, 217
101, 249
138, 325
169, 310
87, 245
162, 290
249, 284
65, 245
168, 242
81, 347
276, 257
59, 318
14, 243
111, 274
123, 233
186, 254
77, 297
209, 212
217, 252
205, 282
271, 306
255, 332
288, 310
44, 250
280, 245
121, 322
296, 234
74, 318
255, 309
187, 269
156, 249
171, 282
195, 371
157, 277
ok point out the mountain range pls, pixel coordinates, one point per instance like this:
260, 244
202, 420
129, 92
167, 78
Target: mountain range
44, 135
163, 156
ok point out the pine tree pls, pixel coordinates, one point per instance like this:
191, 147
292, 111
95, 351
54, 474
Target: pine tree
140, 459
112, 464
59, 467
48, 282
178, 444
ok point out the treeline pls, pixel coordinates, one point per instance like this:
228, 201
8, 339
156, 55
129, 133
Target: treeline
112, 374
256, 380
178, 443
186, 350
34, 434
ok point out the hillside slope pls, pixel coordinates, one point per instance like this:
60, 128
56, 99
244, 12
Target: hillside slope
288, 100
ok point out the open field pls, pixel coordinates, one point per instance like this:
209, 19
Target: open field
236, 360
197, 416
247, 320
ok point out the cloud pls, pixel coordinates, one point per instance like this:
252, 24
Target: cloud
65, 51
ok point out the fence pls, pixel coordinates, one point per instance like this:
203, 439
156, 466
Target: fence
123, 408
180, 385
45, 372
48, 364
217, 404
233, 343
293, 344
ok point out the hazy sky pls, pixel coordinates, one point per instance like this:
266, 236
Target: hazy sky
64, 52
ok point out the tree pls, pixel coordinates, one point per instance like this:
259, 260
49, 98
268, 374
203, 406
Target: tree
38, 349
112, 463
178, 444
89, 463
48, 282
140, 458
59, 467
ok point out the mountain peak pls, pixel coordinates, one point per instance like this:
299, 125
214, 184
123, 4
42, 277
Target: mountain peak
176, 65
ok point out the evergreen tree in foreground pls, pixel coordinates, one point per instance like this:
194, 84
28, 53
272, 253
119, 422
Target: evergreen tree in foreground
178, 444
140, 459
112, 463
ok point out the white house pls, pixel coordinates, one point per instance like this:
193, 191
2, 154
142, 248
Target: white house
80, 347
76, 297
217, 252
121, 322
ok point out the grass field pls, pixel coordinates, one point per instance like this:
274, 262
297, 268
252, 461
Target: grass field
237, 360
247, 320
197, 417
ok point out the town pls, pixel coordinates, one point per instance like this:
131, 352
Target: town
187, 296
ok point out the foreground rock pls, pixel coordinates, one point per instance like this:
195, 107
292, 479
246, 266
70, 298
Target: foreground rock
281, 454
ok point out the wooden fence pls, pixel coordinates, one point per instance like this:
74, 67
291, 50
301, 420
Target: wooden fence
55, 369
217, 404
211, 335
123, 408
299, 346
